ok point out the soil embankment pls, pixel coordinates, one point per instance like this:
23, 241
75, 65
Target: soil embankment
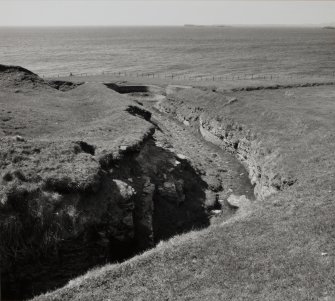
91, 177
196, 108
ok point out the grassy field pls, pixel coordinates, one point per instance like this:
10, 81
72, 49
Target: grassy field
281, 247
224, 84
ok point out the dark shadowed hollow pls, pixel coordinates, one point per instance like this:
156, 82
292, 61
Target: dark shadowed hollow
172, 214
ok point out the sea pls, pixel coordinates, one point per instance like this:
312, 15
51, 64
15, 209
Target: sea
184, 50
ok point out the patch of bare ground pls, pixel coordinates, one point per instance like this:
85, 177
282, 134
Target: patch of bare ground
280, 249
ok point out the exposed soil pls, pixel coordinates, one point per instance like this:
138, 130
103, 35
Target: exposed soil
103, 178
161, 210
220, 169
64, 85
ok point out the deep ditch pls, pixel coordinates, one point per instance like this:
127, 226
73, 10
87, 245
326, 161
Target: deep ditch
158, 195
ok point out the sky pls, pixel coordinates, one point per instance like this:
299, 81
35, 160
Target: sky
155, 12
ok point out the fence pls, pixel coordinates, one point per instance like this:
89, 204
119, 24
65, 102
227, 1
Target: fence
207, 77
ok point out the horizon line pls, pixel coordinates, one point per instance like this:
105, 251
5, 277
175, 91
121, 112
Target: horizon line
180, 25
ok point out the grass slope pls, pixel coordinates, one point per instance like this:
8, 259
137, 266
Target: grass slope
54, 146
281, 248
42, 130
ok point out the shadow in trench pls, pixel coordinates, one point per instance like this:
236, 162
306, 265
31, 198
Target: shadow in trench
169, 200
124, 89
179, 194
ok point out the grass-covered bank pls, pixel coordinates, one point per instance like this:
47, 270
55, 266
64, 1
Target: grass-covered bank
279, 249
89, 176
57, 145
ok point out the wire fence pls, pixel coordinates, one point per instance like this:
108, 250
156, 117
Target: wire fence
207, 77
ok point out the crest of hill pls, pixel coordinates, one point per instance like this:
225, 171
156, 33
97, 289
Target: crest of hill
19, 78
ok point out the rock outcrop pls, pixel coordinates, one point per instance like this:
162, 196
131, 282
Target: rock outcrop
259, 161
230, 135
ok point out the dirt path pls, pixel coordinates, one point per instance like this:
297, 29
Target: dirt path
220, 170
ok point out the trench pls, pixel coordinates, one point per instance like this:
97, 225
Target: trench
63, 86
126, 89
171, 199
147, 101
147, 96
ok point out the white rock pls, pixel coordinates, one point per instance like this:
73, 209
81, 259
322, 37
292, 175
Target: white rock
238, 201
125, 190
182, 157
221, 202
159, 144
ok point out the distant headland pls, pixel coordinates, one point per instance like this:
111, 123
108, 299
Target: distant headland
198, 25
